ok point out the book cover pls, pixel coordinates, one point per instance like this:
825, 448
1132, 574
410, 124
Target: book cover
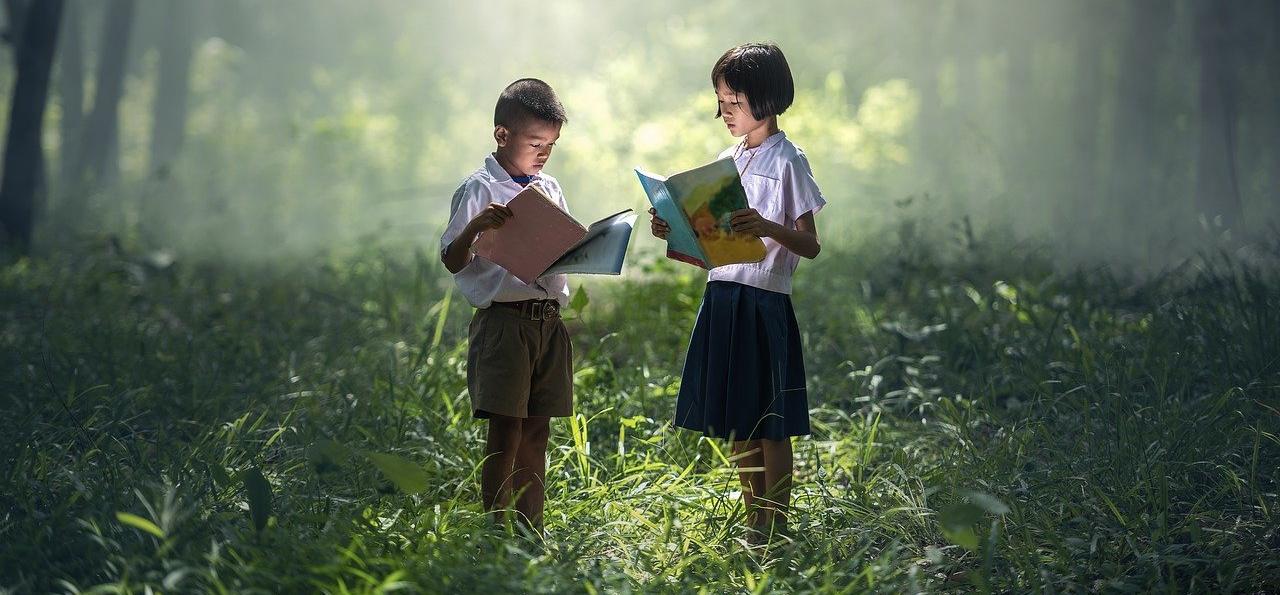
697, 205
540, 239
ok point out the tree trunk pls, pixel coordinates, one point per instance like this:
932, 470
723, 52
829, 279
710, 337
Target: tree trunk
1021, 119
17, 13
172, 86
23, 158
1273, 107
70, 91
99, 150
1217, 183
1133, 171
930, 156
1086, 101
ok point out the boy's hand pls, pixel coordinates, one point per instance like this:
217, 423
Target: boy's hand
657, 226
492, 217
749, 221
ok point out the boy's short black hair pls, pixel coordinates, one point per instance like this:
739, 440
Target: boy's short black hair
759, 71
528, 98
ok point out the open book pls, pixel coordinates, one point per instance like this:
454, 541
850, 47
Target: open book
541, 239
697, 205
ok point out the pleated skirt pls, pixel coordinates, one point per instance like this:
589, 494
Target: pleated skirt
744, 375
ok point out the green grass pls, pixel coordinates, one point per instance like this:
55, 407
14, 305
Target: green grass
981, 422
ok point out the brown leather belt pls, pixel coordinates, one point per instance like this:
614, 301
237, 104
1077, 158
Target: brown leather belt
534, 309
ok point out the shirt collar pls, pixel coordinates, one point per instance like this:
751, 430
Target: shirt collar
768, 143
500, 175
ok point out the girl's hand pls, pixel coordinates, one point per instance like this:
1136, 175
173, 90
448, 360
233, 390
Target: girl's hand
657, 226
491, 217
749, 221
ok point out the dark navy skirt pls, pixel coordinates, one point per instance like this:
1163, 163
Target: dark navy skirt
744, 373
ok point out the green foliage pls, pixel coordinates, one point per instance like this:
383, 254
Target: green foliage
980, 422
407, 476
258, 491
724, 201
140, 523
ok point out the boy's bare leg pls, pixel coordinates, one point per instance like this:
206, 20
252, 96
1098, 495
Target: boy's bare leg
777, 478
500, 454
753, 482
531, 469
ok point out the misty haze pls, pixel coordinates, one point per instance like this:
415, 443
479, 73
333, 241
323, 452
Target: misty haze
1041, 338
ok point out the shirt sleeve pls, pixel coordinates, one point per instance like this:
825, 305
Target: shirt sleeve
800, 190
468, 200
553, 189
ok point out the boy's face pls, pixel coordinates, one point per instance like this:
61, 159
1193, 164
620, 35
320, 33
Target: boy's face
736, 110
527, 147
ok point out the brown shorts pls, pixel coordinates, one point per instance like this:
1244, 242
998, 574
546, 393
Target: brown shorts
519, 367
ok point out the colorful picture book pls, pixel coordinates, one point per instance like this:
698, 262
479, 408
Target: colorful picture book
541, 239
697, 205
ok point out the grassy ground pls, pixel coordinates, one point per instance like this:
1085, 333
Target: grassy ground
980, 423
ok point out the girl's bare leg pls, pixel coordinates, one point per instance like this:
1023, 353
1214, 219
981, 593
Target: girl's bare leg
776, 495
753, 482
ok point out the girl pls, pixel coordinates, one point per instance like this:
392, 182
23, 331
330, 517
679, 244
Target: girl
744, 374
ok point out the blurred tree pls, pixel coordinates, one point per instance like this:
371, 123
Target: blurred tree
172, 85
1019, 37
98, 153
16, 13
1081, 166
70, 88
23, 156
1271, 81
1133, 169
1217, 175
929, 136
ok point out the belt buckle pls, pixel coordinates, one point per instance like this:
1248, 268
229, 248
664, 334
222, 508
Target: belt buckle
536, 310
550, 309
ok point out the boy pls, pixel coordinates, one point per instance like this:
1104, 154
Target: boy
519, 368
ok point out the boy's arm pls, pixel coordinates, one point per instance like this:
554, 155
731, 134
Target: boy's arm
471, 211
457, 254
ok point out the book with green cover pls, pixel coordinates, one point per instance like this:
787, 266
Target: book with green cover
697, 205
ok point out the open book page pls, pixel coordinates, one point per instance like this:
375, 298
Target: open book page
535, 236
602, 250
709, 195
682, 244
703, 200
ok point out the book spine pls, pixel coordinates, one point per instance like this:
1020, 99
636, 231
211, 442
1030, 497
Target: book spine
699, 259
682, 257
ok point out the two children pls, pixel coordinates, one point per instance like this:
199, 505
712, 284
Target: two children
744, 375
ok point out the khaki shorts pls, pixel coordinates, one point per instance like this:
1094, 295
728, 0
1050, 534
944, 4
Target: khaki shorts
519, 367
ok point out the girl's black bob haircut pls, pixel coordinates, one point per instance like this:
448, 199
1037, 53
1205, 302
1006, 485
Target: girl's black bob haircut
759, 71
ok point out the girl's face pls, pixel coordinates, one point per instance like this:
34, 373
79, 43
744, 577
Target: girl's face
735, 109
527, 147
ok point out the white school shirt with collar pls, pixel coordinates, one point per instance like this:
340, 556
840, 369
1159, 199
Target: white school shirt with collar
780, 185
482, 282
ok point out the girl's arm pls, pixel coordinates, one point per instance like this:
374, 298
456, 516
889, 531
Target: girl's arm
803, 240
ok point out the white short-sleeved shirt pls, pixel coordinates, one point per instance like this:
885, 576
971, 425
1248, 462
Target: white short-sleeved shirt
780, 185
481, 281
